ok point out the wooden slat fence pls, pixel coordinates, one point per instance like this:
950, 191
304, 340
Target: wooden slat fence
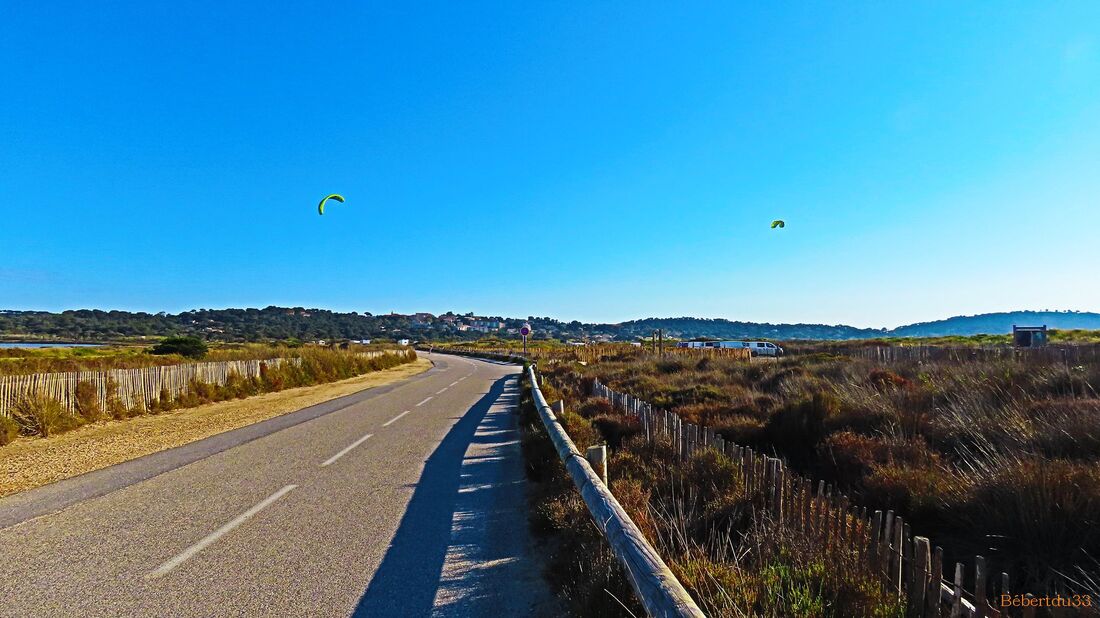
134, 385
1068, 354
877, 542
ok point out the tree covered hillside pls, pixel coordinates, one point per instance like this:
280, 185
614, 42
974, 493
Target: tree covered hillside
997, 323
281, 323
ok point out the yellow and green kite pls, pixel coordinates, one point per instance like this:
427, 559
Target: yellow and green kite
321, 206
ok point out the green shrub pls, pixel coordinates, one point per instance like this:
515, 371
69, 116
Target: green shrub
190, 347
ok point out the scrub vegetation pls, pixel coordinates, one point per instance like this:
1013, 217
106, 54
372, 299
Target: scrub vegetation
171, 351
39, 415
997, 457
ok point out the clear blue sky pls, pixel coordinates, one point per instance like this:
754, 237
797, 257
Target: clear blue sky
593, 161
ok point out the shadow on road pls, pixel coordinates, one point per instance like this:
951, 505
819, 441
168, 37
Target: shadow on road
411, 573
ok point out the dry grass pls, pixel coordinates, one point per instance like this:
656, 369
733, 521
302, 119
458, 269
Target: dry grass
32, 462
946, 443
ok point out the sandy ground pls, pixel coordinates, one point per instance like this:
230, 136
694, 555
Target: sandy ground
32, 462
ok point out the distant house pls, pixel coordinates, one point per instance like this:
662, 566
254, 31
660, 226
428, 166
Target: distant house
1029, 336
484, 325
402, 342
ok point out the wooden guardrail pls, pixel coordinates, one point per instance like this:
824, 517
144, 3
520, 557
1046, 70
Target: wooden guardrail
882, 543
656, 587
658, 590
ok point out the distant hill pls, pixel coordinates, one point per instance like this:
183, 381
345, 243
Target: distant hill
983, 324
688, 328
999, 323
281, 323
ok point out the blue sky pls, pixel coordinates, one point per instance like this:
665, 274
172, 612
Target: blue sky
592, 161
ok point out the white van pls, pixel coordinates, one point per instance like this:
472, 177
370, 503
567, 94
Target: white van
758, 348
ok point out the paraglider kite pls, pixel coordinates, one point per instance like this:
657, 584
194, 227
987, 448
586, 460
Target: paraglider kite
321, 206
775, 224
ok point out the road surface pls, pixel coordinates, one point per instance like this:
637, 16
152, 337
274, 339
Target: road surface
407, 500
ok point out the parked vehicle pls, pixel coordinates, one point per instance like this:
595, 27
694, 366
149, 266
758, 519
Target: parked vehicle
758, 348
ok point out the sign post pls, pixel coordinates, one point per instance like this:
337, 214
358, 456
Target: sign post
525, 330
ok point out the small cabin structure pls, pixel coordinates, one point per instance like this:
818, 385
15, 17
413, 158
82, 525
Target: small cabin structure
1029, 336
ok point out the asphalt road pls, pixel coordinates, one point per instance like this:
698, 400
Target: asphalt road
402, 501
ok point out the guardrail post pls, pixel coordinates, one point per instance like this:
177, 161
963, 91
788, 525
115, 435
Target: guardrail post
597, 458
558, 407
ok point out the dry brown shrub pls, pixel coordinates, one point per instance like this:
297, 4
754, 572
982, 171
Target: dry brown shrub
87, 401
41, 415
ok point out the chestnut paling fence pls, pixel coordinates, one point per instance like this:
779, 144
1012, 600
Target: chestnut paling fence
878, 542
134, 386
1062, 353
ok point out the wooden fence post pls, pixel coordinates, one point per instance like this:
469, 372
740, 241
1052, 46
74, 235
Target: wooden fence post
932, 597
957, 591
898, 555
597, 458
979, 587
876, 534
919, 573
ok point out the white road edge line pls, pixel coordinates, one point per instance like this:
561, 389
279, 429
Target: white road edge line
217, 534
392, 420
346, 450
455, 383
425, 401
441, 391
